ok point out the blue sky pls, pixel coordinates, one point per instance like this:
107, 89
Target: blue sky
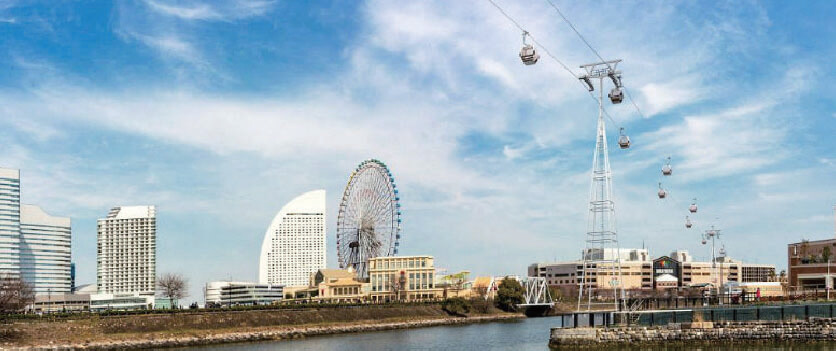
219, 112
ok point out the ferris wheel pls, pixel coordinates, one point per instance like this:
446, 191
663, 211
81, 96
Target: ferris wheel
369, 220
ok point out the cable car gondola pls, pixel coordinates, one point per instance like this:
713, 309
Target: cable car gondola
662, 192
693, 207
616, 95
623, 140
528, 55
666, 169
688, 222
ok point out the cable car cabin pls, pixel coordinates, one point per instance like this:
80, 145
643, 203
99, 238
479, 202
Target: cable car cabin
623, 140
616, 96
687, 222
662, 193
666, 169
528, 55
693, 208
703, 241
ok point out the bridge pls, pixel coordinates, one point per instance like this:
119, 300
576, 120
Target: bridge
537, 298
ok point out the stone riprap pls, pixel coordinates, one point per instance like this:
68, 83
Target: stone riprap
262, 335
729, 332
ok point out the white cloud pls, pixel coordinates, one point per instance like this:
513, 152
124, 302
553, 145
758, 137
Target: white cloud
170, 45
661, 97
511, 153
199, 11
214, 11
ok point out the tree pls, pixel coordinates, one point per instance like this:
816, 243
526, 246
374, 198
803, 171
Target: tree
173, 286
15, 294
509, 294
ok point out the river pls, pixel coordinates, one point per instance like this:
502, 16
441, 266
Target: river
523, 335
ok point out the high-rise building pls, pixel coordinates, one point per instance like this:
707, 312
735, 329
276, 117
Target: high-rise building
34, 246
294, 244
45, 251
127, 251
9, 222
72, 276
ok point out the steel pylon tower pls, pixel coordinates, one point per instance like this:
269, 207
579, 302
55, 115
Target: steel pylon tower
602, 256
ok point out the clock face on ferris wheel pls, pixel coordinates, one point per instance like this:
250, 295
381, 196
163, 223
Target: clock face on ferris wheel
369, 219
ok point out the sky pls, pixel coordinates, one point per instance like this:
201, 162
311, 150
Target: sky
220, 112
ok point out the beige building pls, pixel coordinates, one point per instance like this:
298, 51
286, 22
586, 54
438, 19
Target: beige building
341, 290
636, 270
61, 303
403, 278
332, 285
639, 272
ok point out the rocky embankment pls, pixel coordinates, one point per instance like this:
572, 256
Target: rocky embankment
141, 332
696, 333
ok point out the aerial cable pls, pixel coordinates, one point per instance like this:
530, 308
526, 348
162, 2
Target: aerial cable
565, 19
546, 50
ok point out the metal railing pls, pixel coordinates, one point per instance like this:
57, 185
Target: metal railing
755, 313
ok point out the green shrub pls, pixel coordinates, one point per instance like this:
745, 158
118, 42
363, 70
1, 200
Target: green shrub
456, 306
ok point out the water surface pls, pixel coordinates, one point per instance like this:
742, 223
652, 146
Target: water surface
523, 335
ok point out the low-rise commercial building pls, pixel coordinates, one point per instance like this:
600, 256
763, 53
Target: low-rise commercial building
403, 278
810, 264
636, 269
61, 303
638, 272
223, 293
121, 302
332, 286
455, 284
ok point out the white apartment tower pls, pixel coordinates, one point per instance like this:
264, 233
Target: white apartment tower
127, 251
34, 246
294, 244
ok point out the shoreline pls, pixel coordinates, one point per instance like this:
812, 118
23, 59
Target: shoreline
269, 334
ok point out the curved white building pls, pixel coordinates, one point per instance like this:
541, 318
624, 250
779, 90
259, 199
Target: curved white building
294, 244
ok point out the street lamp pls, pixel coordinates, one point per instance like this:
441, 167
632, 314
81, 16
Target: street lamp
713, 234
828, 281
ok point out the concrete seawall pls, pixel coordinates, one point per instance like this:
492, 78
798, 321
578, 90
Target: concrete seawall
696, 333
